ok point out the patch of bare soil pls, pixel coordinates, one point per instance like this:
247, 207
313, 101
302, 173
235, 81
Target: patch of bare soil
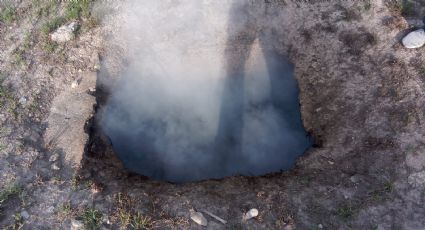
362, 99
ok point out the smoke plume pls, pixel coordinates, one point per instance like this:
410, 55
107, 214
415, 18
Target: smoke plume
205, 93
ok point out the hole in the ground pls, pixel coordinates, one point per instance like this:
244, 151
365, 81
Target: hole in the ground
193, 109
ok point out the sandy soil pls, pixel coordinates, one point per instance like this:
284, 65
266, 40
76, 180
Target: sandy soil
362, 99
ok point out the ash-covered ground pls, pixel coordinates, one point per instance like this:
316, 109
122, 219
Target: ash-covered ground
361, 97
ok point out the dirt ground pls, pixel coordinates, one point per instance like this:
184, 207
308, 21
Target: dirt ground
361, 95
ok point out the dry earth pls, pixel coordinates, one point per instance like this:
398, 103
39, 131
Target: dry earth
362, 99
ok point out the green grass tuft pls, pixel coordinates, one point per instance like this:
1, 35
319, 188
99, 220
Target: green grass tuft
9, 192
91, 218
77, 9
8, 14
52, 25
345, 212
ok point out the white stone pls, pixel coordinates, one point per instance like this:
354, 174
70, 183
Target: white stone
54, 157
250, 214
414, 39
25, 215
76, 224
22, 100
198, 218
74, 84
64, 33
55, 167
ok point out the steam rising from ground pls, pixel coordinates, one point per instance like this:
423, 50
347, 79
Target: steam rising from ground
205, 94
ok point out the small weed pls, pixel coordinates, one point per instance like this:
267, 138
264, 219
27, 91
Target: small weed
367, 6
376, 195
27, 41
52, 25
345, 212
9, 192
388, 187
50, 47
124, 217
44, 9
64, 210
8, 14
140, 222
92, 22
421, 71
91, 218
18, 55
407, 9
77, 9
56, 180
18, 221
380, 194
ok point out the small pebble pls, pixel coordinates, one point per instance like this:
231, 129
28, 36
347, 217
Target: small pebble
198, 218
54, 157
25, 215
74, 84
250, 214
55, 167
76, 224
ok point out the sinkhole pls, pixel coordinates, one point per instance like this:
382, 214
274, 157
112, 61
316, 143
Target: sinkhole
205, 95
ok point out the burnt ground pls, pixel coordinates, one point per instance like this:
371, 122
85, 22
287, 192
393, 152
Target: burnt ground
362, 99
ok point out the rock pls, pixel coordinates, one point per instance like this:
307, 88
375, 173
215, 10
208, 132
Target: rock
55, 167
198, 218
250, 214
74, 84
54, 157
354, 179
320, 226
64, 33
76, 224
106, 220
22, 100
414, 39
25, 215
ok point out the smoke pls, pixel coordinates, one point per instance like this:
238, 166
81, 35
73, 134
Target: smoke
205, 94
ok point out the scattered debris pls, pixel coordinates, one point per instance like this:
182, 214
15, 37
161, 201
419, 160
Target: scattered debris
354, 179
22, 100
54, 157
76, 224
414, 39
215, 217
64, 33
198, 218
250, 214
74, 84
55, 167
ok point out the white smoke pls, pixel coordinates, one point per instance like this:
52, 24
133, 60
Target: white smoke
164, 113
